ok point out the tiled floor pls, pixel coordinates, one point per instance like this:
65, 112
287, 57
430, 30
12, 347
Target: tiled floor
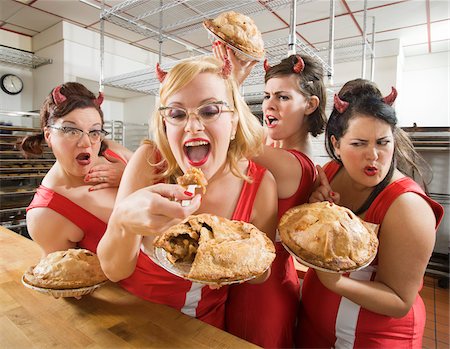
436, 334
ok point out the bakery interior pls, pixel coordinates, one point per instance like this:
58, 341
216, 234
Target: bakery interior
114, 45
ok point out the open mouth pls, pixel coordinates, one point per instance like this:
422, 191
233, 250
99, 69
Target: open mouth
197, 151
271, 121
84, 158
370, 170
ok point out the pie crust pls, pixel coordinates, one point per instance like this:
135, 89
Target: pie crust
220, 250
74, 268
193, 176
329, 236
239, 31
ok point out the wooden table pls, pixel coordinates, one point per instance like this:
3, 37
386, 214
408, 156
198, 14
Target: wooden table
110, 317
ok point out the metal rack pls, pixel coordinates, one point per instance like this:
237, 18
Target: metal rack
15, 56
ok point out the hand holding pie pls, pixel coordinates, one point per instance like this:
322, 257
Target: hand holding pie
328, 236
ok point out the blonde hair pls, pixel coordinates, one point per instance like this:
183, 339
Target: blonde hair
249, 136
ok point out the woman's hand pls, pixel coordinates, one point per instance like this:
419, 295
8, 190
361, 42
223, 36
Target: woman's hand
324, 192
240, 69
106, 175
154, 209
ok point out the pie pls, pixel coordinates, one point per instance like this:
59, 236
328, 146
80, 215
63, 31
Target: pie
219, 250
239, 31
193, 176
329, 236
74, 268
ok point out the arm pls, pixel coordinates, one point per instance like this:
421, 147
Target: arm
141, 209
42, 223
284, 166
406, 238
265, 213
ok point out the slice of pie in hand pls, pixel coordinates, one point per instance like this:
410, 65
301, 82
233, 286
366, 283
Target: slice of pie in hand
220, 250
329, 236
74, 268
193, 176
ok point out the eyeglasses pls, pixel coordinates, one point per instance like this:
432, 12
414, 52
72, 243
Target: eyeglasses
206, 113
75, 134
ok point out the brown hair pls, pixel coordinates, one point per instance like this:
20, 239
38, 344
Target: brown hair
77, 96
310, 83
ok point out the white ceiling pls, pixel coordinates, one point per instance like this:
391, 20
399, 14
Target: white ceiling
422, 25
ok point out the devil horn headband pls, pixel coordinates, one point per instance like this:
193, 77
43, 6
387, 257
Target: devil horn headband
390, 98
266, 66
299, 66
340, 105
58, 97
99, 100
160, 73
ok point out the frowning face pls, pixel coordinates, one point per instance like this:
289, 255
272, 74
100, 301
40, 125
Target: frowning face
203, 139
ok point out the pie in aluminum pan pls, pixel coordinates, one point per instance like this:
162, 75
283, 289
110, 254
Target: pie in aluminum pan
63, 270
218, 250
328, 236
238, 30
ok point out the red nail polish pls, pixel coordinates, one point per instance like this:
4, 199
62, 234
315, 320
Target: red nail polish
332, 193
91, 189
188, 193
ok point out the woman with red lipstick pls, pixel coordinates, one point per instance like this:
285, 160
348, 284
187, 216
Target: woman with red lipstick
202, 122
378, 306
65, 211
294, 110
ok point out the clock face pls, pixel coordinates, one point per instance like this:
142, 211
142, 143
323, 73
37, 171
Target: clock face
11, 84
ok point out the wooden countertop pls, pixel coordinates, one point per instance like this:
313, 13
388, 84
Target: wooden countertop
109, 318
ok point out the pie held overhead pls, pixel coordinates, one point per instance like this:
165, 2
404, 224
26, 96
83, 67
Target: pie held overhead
220, 250
239, 31
329, 236
74, 268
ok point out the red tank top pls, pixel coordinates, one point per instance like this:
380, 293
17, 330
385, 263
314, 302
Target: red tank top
329, 320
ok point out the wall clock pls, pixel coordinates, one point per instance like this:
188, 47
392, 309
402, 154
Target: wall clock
11, 84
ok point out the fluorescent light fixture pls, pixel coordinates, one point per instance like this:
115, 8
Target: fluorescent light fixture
90, 4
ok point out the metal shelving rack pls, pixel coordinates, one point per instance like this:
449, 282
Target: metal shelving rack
23, 58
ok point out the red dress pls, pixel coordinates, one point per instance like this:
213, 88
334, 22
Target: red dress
149, 281
265, 313
328, 320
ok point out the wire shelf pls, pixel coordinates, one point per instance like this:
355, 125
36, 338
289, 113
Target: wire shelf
23, 58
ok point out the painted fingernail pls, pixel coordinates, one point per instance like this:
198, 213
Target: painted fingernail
91, 189
332, 193
188, 193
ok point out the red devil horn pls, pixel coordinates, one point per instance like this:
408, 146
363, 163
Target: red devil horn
58, 97
160, 73
299, 66
226, 67
99, 100
340, 105
267, 66
390, 98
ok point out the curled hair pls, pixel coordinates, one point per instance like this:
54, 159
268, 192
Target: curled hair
249, 133
365, 98
77, 96
310, 83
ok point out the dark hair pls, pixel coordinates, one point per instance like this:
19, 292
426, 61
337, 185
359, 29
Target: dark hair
310, 83
365, 98
77, 96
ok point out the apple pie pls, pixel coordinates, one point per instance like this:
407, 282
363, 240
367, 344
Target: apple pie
219, 250
193, 176
74, 268
329, 236
239, 31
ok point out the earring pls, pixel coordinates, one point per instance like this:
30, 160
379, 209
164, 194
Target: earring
232, 137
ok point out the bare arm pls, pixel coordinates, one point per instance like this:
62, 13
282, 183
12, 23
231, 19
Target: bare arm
407, 238
141, 209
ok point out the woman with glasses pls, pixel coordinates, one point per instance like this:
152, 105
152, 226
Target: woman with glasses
294, 110
202, 122
65, 211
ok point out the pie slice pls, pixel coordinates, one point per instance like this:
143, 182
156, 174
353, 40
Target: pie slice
329, 236
219, 249
239, 31
74, 268
193, 176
